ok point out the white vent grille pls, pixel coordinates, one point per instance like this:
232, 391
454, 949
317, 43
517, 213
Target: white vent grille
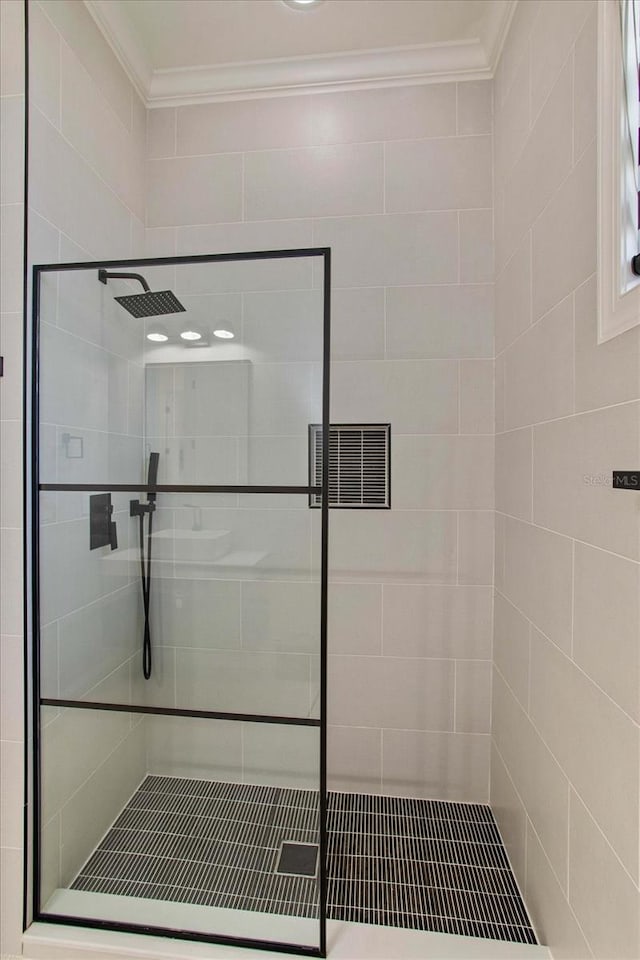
358, 464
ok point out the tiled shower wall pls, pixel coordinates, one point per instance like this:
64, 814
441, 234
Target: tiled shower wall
565, 745
399, 183
11, 671
86, 202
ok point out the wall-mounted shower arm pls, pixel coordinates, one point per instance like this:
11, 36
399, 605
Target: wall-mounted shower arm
104, 275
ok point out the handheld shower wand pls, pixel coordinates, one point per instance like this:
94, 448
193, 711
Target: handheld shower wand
138, 509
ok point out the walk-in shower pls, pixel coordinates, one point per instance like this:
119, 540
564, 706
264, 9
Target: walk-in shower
180, 661
180, 590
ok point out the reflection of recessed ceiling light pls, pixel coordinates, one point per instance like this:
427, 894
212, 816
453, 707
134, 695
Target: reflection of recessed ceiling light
157, 334
301, 4
191, 334
224, 334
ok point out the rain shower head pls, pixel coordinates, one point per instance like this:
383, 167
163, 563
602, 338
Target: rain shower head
148, 304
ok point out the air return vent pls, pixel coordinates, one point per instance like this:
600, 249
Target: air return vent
359, 464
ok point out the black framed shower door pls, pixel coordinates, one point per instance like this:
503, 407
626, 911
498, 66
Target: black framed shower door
47, 703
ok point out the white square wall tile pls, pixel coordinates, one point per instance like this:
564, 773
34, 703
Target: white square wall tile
66, 191
446, 766
585, 96
11, 345
355, 618
498, 393
475, 547
12, 149
606, 623
511, 121
246, 681
392, 249
383, 545
11, 262
441, 174
438, 473
11, 494
553, 34
550, 911
414, 396
473, 696
511, 640
197, 613
477, 395
83, 35
358, 324
11, 688
513, 296
276, 754
11, 802
12, 865
282, 325
44, 64
188, 747
510, 814
281, 616
395, 113
476, 246
93, 808
539, 370
544, 162
605, 901
354, 758
564, 237
318, 182
194, 190
572, 463
475, 107
569, 710
90, 125
281, 401
513, 473
11, 48
536, 774
265, 124
11, 611
290, 274
437, 621
439, 321
161, 133
403, 694
605, 373
538, 576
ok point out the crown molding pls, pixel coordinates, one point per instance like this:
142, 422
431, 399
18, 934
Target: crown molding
392, 66
320, 74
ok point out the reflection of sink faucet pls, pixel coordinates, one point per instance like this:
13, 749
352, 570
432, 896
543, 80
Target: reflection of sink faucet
197, 515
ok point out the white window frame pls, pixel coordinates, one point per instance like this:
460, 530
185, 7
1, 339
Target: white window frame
618, 286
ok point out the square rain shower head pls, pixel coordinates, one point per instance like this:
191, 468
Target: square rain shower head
151, 304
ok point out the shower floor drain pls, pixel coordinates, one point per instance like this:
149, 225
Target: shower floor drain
297, 859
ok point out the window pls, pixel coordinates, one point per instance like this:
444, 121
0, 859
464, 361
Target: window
359, 464
618, 171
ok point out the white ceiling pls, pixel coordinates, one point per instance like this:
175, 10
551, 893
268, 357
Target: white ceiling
193, 33
179, 51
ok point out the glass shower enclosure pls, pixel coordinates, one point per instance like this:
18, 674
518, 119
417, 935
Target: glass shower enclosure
180, 596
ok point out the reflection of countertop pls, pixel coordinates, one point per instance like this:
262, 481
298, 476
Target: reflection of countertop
189, 534
235, 558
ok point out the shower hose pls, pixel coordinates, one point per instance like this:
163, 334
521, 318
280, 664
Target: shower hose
145, 573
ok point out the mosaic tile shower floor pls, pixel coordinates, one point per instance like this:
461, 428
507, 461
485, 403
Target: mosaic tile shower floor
420, 864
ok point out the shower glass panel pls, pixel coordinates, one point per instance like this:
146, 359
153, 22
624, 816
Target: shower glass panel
180, 596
